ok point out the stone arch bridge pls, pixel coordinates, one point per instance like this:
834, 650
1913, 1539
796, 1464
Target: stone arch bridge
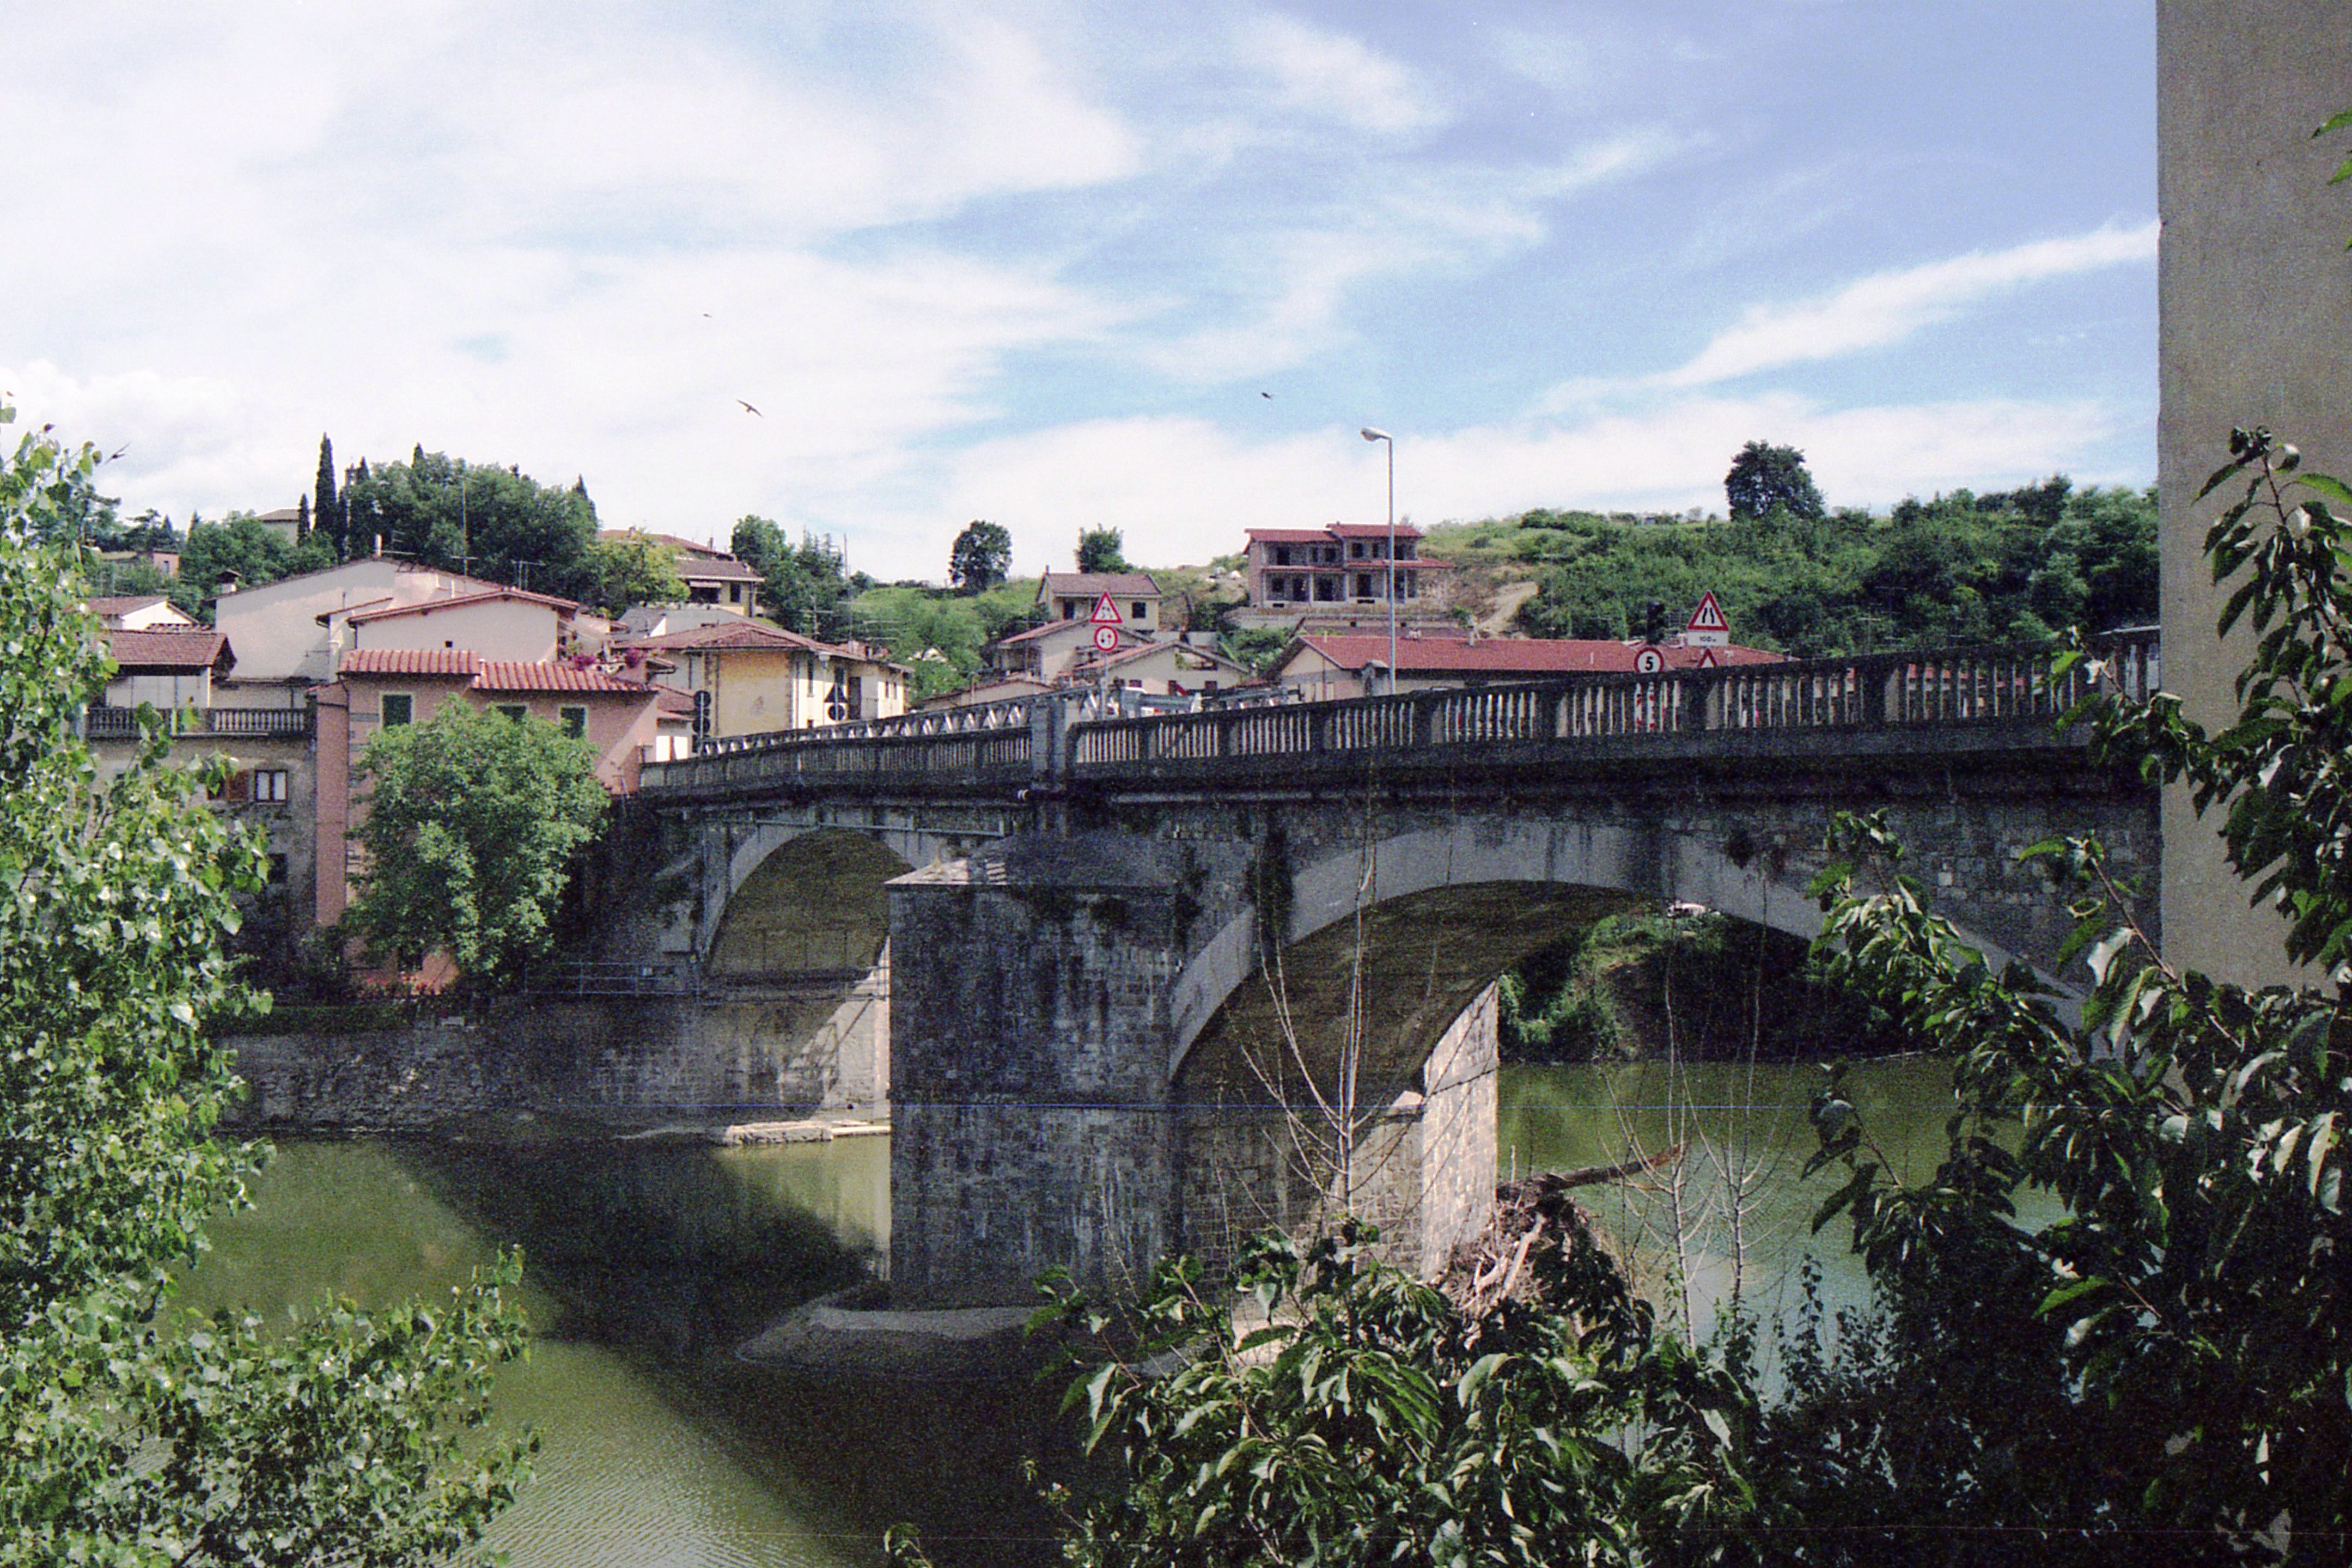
1132, 984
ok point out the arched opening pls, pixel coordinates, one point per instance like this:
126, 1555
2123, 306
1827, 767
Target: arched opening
816, 906
1355, 1070
798, 973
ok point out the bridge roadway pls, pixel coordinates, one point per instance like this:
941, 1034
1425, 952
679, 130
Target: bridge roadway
1140, 983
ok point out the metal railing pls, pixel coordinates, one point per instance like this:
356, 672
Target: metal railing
104, 723
1051, 738
583, 979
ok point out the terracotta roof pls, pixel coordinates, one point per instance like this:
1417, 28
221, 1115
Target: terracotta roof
1372, 530
180, 648
672, 540
669, 699
515, 675
1289, 536
453, 663
123, 605
1035, 632
488, 674
427, 607
1119, 584
1184, 649
725, 570
1512, 655
743, 632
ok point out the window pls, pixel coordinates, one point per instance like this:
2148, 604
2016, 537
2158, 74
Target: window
399, 709
734, 593
270, 784
1282, 555
1327, 590
277, 871
1364, 585
574, 719
514, 711
1355, 549
1135, 611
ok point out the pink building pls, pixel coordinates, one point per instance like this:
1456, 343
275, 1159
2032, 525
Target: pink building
1344, 564
379, 688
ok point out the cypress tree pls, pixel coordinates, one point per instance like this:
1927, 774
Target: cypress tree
326, 505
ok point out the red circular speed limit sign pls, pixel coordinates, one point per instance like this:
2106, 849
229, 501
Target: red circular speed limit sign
1106, 639
1648, 661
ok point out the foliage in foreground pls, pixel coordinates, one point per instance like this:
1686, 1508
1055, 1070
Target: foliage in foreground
1367, 1419
474, 821
129, 1437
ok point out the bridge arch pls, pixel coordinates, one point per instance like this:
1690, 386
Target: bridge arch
1601, 867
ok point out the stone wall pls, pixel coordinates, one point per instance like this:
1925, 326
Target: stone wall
638, 1060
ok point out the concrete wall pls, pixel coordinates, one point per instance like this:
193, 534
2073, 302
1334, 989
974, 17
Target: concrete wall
2256, 293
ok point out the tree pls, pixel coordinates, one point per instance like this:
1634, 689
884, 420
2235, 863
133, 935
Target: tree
473, 822
1100, 550
621, 570
1766, 478
804, 586
2172, 1352
327, 513
489, 522
982, 557
129, 1436
242, 548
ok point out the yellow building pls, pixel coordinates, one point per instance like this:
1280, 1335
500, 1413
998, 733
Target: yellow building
761, 678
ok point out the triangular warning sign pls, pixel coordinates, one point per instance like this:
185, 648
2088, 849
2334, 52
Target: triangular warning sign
1708, 616
1105, 612
1706, 660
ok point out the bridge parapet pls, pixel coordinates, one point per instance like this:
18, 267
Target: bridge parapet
999, 748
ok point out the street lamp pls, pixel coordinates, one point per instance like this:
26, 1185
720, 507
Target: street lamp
1372, 435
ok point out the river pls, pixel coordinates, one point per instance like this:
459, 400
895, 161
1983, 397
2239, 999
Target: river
648, 1264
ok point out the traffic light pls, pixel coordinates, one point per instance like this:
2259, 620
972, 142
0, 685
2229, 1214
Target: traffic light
702, 714
1653, 621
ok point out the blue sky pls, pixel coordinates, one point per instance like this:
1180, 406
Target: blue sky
1044, 264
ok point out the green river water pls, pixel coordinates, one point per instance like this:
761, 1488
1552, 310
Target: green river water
648, 1265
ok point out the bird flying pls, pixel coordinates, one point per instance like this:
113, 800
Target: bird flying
748, 409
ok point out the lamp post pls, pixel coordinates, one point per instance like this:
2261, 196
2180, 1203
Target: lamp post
1372, 435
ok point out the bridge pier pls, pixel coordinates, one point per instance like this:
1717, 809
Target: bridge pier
1036, 1121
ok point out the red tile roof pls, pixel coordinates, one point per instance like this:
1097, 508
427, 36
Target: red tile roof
1373, 530
563, 606
122, 604
1035, 632
1119, 584
488, 674
1291, 536
738, 631
453, 662
514, 676
180, 648
1512, 655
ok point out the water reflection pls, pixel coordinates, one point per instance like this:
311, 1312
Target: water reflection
1734, 1214
645, 1267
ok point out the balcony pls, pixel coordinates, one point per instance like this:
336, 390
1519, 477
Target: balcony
244, 723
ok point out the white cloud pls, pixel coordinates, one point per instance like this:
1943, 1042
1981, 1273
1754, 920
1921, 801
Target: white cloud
1429, 224
1888, 307
1334, 77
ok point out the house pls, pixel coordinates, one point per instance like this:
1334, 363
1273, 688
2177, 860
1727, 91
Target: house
760, 678
502, 623
1350, 665
170, 666
1046, 653
1301, 571
379, 688
1172, 667
285, 522
987, 688
285, 647
140, 612
1073, 595
712, 576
